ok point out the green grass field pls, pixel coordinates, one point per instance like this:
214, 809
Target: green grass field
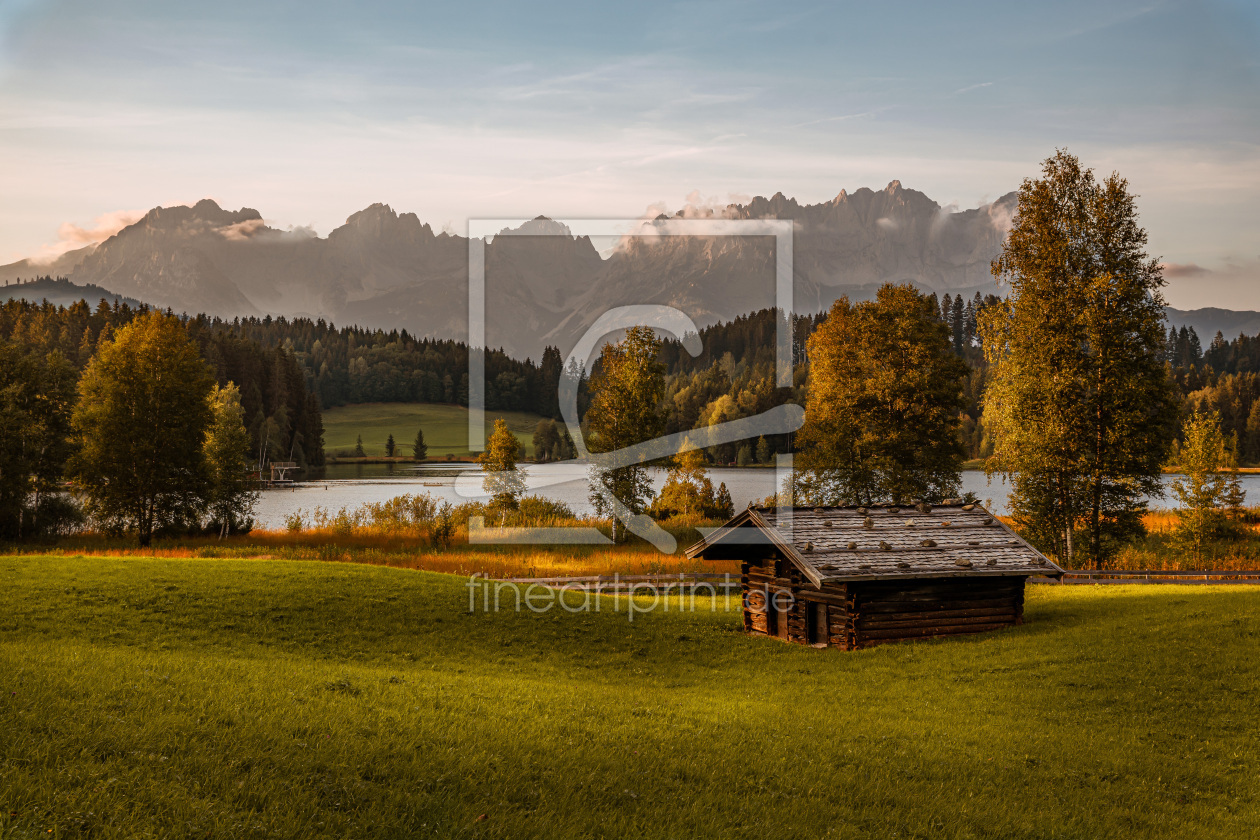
445, 428
248, 698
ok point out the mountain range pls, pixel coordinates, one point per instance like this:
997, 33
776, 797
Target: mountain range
389, 270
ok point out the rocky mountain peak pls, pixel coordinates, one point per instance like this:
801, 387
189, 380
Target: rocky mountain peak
386, 269
206, 214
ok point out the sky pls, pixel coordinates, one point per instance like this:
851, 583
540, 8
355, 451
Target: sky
311, 111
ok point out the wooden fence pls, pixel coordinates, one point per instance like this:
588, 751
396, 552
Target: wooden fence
1152, 576
722, 583
646, 584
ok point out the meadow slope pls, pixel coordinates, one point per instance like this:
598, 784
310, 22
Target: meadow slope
234, 698
445, 428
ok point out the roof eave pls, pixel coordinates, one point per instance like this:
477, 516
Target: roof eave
787, 548
911, 575
714, 536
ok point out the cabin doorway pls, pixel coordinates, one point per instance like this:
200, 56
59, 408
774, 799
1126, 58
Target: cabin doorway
816, 623
776, 599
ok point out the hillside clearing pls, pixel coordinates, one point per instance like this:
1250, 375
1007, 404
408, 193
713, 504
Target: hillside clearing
445, 428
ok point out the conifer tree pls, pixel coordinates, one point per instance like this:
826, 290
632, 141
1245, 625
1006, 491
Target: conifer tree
358, 447
725, 506
546, 441
504, 482
389, 446
958, 321
1251, 435
1204, 488
36, 401
419, 449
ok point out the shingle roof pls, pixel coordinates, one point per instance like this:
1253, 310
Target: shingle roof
882, 542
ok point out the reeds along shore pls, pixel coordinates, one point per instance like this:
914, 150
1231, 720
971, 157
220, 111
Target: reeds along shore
415, 532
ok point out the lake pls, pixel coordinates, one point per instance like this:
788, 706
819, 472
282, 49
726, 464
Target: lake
351, 485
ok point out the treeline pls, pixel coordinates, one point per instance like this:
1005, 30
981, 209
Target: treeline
734, 376
282, 415
347, 365
140, 435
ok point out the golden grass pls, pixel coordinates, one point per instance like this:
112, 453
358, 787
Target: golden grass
407, 551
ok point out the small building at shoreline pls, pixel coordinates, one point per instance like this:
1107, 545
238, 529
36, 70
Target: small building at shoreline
855, 577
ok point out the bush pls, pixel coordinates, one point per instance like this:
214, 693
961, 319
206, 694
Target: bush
59, 515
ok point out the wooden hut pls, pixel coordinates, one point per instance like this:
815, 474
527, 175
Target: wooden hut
854, 577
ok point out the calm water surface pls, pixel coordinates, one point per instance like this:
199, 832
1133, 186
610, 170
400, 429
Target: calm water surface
353, 485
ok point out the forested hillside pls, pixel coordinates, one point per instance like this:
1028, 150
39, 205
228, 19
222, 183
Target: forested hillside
289, 369
281, 413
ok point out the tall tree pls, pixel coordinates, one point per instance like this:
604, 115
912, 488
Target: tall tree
36, 399
1203, 488
504, 482
1251, 439
763, 450
687, 491
625, 391
389, 446
882, 415
232, 494
546, 441
142, 418
419, 449
1079, 405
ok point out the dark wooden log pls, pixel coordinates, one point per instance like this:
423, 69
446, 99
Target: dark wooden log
927, 632
870, 608
915, 624
939, 615
821, 597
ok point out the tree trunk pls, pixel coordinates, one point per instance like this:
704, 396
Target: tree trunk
1095, 537
1067, 520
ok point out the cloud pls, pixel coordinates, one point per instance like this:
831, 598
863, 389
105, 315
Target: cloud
699, 207
1176, 270
1231, 285
695, 206
241, 231
71, 236
970, 88
1001, 214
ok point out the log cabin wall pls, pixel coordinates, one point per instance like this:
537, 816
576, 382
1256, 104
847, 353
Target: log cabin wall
892, 611
760, 579
864, 614
814, 617
828, 615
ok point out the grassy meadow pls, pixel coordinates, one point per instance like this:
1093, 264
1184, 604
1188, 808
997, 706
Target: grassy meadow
175, 697
445, 428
